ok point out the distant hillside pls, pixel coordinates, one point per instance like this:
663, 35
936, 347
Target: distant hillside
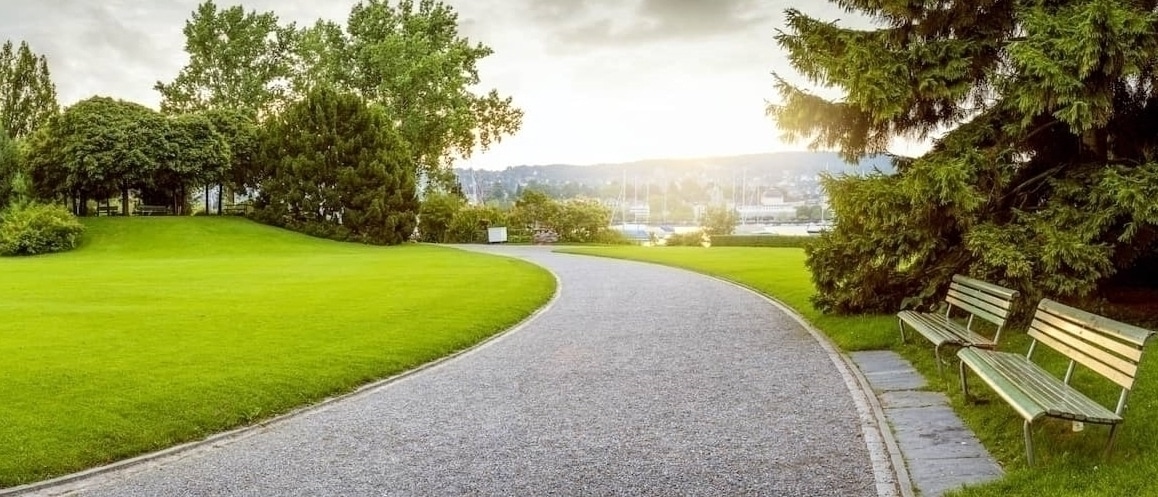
766, 168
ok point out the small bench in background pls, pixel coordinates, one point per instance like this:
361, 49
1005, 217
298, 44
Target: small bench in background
108, 210
1104, 346
975, 299
234, 209
150, 210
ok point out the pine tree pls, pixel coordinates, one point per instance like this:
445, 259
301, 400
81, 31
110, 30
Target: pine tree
1046, 178
337, 169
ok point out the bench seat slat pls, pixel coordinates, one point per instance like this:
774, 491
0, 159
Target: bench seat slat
939, 330
1032, 391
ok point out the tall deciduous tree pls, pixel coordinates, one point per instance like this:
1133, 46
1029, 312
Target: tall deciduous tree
337, 169
1047, 178
9, 169
410, 59
27, 94
237, 60
320, 56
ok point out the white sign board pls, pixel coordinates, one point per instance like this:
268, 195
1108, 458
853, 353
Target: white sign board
497, 235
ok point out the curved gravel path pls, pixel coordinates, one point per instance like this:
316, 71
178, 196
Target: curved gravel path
638, 380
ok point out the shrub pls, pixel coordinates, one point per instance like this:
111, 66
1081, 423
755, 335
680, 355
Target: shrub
720, 221
690, 239
38, 229
470, 223
761, 241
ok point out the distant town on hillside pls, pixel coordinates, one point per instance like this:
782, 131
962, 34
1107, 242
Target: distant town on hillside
762, 188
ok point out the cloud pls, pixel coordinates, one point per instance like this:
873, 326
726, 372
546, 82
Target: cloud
592, 23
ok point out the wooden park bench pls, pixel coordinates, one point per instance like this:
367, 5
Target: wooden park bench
1104, 346
108, 210
234, 209
149, 210
975, 299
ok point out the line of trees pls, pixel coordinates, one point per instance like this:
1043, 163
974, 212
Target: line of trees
446, 218
329, 128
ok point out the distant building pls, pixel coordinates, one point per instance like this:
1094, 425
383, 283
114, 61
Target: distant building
772, 196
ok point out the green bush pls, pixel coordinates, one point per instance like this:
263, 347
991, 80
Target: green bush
782, 241
38, 229
690, 239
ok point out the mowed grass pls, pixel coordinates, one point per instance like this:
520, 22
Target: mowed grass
159, 331
1068, 463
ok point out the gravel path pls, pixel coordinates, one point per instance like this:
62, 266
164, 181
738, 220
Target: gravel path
638, 380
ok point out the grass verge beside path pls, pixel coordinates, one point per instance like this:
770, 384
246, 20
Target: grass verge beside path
1069, 463
159, 331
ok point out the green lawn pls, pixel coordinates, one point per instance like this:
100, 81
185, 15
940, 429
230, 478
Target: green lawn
159, 331
1068, 463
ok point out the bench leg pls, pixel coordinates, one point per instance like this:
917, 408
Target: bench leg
940, 361
1028, 428
964, 383
1110, 442
901, 325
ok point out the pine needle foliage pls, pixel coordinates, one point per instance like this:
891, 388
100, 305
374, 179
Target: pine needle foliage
1046, 176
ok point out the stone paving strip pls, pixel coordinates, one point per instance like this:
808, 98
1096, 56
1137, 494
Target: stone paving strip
942, 454
638, 380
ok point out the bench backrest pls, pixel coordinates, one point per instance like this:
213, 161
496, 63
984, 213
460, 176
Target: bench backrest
1108, 347
984, 300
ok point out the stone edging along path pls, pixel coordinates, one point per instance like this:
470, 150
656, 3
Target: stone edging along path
636, 379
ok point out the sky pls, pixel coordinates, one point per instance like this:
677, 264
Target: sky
599, 81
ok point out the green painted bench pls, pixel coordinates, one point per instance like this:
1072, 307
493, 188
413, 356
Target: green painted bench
234, 209
1104, 346
973, 298
149, 210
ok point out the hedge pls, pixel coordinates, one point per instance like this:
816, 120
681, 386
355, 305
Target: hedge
761, 241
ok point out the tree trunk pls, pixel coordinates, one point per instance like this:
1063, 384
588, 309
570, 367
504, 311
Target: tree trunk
125, 201
220, 194
207, 186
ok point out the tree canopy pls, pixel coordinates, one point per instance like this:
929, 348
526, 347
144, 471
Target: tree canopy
411, 59
95, 149
1045, 179
102, 147
405, 60
336, 168
238, 60
27, 94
